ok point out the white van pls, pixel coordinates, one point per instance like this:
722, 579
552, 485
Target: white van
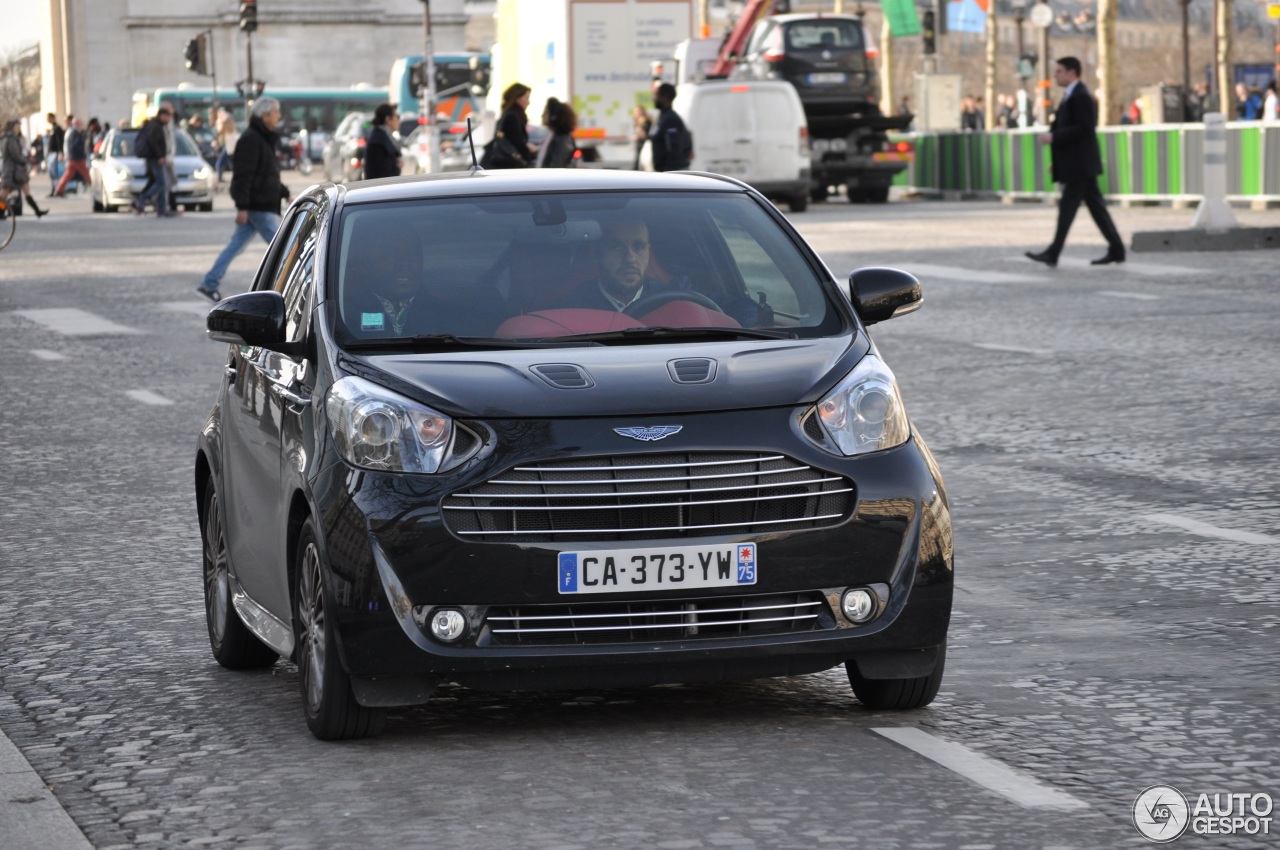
754, 130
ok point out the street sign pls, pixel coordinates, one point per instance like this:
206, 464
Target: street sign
1042, 15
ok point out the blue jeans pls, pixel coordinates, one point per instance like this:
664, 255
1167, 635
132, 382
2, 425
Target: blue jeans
158, 191
264, 224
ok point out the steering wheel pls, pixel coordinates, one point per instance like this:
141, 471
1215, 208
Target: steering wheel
649, 303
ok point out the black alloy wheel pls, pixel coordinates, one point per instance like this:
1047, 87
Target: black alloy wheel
327, 699
234, 646
897, 694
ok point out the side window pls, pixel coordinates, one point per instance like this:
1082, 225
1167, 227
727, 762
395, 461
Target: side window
271, 270
298, 273
760, 274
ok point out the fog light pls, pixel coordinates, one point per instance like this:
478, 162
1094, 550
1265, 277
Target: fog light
858, 605
448, 624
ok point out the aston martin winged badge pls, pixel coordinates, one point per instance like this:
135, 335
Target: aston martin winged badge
649, 433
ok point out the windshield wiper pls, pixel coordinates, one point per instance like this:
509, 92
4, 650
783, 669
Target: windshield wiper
439, 341
661, 333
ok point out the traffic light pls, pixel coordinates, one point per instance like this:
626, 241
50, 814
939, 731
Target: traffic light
248, 15
928, 32
197, 55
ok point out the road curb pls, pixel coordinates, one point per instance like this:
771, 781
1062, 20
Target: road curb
31, 815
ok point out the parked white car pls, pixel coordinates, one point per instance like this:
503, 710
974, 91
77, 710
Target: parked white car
119, 176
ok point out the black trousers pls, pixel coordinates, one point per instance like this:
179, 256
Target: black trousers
1087, 191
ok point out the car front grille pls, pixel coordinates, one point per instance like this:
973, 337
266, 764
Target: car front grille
666, 620
645, 497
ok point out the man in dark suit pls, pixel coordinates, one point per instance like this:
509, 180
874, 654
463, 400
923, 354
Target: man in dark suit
624, 263
1077, 164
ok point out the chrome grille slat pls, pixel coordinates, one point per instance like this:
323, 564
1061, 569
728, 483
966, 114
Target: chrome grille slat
675, 612
593, 620
657, 494
700, 623
640, 505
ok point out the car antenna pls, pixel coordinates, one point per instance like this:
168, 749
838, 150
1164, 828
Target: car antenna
475, 165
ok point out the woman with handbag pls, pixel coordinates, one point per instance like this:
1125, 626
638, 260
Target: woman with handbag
510, 146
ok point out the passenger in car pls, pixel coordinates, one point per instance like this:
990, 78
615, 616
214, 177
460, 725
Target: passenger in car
624, 269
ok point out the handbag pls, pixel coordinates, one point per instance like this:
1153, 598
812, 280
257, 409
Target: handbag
499, 152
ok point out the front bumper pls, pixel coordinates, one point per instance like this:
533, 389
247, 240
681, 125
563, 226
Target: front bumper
187, 191
391, 560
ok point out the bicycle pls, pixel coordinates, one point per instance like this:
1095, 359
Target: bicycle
8, 217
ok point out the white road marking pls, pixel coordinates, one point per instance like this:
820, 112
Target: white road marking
200, 308
980, 769
923, 270
46, 354
1205, 530
148, 397
1136, 296
991, 346
73, 322
1146, 269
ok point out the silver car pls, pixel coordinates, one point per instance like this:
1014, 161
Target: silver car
119, 176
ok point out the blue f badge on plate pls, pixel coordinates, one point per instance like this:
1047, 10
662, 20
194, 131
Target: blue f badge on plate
568, 572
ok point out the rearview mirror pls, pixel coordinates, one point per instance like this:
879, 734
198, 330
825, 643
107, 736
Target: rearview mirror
253, 318
879, 294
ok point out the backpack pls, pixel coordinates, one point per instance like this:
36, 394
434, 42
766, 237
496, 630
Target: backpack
142, 141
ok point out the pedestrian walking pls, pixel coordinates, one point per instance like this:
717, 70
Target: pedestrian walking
255, 188
1077, 164
77, 143
1249, 107
558, 147
93, 132
53, 140
509, 147
149, 144
672, 143
382, 157
641, 126
1270, 105
228, 134
15, 168
170, 163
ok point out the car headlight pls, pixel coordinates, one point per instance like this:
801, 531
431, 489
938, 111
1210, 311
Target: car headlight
201, 173
376, 429
865, 412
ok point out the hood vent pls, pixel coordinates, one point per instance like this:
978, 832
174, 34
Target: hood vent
564, 376
692, 370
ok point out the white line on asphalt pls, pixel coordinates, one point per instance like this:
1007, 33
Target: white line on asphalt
983, 770
1205, 530
1136, 296
198, 307
1147, 269
991, 346
73, 322
148, 397
46, 354
924, 270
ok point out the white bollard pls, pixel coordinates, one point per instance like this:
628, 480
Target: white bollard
1214, 213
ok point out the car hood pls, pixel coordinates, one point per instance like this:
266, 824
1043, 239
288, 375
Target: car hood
626, 380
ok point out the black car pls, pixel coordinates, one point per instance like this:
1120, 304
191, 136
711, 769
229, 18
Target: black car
823, 56
545, 429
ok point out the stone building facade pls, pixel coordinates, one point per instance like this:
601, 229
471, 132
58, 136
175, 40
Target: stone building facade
95, 53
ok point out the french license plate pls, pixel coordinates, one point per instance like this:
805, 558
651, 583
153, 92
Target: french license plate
677, 568
827, 78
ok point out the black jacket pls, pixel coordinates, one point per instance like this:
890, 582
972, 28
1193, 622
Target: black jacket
255, 179
559, 151
380, 154
514, 127
670, 141
1075, 138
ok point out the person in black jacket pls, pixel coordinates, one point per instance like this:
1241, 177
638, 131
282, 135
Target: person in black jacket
381, 152
558, 147
1077, 164
671, 143
255, 188
513, 126
150, 144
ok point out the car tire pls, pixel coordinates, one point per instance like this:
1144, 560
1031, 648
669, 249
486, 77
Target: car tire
327, 699
818, 193
798, 203
234, 646
878, 195
97, 206
897, 694
205, 207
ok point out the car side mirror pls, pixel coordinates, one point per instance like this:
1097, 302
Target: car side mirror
879, 294
253, 318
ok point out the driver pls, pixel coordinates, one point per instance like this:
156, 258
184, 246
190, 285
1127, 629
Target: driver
386, 295
624, 263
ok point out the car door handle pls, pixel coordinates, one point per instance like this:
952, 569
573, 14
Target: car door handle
289, 396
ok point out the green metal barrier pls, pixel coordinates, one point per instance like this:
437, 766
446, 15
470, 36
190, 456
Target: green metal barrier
1156, 162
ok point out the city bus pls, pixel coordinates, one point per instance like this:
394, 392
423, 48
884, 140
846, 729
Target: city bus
315, 110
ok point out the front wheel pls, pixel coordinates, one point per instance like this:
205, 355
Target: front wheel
234, 646
327, 700
897, 694
799, 202
8, 222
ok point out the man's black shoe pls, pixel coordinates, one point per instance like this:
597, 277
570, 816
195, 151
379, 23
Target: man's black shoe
1111, 257
212, 294
1044, 257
